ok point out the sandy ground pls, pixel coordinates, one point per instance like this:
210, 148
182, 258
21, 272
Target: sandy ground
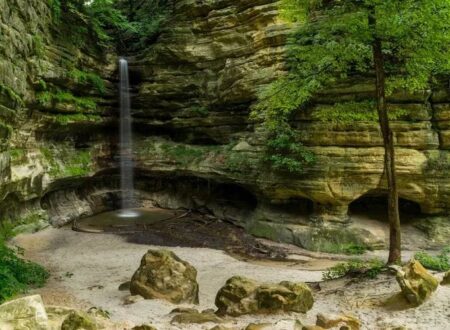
87, 270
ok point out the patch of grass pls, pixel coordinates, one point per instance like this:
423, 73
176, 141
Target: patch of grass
355, 268
51, 98
183, 154
88, 78
238, 162
17, 154
5, 130
68, 163
6, 230
342, 248
74, 118
38, 45
11, 94
349, 112
18, 275
200, 111
285, 153
441, 262
438, 164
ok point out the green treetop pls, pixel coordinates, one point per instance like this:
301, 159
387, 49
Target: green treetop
402, 44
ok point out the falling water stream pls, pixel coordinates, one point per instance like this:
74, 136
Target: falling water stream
126, 145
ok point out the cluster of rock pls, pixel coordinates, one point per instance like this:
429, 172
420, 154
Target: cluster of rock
30, 313
163, 275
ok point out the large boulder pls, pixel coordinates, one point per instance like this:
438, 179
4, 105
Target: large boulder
23, 314
416, 282
242, 296
163, 275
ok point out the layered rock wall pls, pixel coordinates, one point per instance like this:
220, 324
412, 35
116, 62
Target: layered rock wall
195, 144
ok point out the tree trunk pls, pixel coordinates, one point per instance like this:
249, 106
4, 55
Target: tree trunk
389, 150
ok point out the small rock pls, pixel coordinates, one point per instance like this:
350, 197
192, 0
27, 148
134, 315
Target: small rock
221, 327
181, 310
260, 326
24, 313
343, 320
144, 327
242, 296
416, 282
162, 275
196, 317
77, 320
125, 286
446, 280
129, 300
209, 310
243, 146
312, 327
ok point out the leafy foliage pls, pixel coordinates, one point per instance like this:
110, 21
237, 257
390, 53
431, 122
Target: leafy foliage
286, 154
441, 262
13, 96
356, 268
67, 162
50, 98
334, 42
349, 112
128, 24
17, 275
88, 78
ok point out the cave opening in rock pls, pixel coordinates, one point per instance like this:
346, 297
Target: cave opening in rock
375, 206
294, 210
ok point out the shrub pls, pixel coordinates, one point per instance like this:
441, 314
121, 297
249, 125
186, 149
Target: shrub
441, 262
17, 275
284, 153
355, 268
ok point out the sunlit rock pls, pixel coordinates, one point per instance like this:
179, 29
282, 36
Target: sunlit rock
163, 275
241, 296
416, 282
24, 314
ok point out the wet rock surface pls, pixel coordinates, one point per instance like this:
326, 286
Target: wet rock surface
163, 275
242, 296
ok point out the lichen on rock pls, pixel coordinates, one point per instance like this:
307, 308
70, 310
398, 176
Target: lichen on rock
242, 296
416, 282
163, 275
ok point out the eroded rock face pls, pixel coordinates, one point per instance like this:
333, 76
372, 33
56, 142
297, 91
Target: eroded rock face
163, 275
446, 280
416, 282
242, 296
195, 88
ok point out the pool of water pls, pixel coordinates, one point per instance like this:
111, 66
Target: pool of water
133, 219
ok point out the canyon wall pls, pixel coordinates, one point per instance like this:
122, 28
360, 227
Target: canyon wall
195, 144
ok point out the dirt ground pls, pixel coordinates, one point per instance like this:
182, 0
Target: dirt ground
88, 268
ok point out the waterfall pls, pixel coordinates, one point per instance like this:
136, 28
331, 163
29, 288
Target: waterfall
126, 146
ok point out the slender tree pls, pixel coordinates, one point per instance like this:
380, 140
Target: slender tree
403, 44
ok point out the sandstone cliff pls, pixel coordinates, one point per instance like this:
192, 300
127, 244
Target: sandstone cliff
195, 144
